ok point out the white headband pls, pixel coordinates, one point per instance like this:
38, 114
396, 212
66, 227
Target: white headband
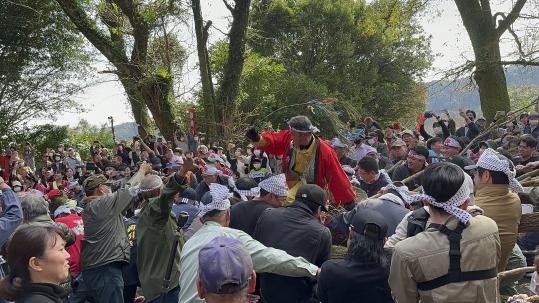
451, 206
219, 199
415, 155
490, 160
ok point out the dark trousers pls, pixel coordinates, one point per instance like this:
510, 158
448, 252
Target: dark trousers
172, 296
105, 282
80, 292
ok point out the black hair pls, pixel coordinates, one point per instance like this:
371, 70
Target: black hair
433, 141
442, 181
529, 140
263, 192
473, 113
368, 164
436, 123
364, 249
421, 150
498, 177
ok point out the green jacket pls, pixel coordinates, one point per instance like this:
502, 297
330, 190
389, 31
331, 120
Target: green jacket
155, 235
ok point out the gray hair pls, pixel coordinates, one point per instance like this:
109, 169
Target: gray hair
364, 249
33, 205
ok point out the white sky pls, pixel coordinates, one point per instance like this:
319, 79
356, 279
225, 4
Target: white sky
449, 43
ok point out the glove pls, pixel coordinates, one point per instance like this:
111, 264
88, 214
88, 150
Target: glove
252, 134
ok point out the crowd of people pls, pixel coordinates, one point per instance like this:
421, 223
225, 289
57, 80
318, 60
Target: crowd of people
424, 217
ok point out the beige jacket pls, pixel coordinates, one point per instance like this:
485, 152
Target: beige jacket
426, 256
502, 206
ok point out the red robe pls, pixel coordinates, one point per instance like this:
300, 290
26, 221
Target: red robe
329, 173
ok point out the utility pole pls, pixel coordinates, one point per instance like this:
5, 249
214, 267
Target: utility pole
111, 119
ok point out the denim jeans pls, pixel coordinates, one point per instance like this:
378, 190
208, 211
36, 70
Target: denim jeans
105, 282
80, 292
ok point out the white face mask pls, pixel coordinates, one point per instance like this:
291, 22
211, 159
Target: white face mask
371, 141
438, 130
257, 152
257, 165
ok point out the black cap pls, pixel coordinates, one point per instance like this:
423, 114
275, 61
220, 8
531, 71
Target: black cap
246, 183
369, 223
312, 193
301, 124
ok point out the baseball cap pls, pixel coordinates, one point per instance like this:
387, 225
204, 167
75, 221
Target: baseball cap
398, 143
407, 132
312, 193
224, 266
93, 182
54, 193
369, 223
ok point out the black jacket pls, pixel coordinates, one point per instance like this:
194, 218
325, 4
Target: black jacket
295, 230
353, 281
402, 172
42, 293
373, 189
245, 214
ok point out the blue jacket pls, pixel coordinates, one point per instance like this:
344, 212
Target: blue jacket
12, 215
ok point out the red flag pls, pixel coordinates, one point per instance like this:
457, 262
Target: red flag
420, 122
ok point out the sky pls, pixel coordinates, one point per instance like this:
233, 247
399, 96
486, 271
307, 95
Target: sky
449, 43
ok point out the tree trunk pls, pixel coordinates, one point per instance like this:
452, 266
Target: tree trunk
138, 107
230, 84
208, 94
144, 90
490, 78
485, 38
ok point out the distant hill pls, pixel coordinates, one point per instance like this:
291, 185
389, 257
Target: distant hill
125, 131
444, 94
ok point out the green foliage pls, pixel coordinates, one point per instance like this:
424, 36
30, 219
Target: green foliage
522, 96
41, 137
84, 134
42, 63
370, 57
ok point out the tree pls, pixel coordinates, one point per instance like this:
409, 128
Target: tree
82, 136
42, 64
123, 33
370, 56
485, 30
220, 107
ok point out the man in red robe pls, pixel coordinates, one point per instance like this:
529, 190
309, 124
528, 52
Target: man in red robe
306, 159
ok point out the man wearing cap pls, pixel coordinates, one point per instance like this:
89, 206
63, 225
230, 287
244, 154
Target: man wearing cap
210, 174
225, 271
409, 137
273, 193
455, 258
297, 230
215, 214
360, 148
364, 272
497, 194
415, 162
105, 246
398, 151
307, 160
245, 189
341, 150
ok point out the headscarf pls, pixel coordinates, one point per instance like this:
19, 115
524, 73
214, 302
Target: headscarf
219, 199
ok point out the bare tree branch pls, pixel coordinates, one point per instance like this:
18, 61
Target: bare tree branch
532, 62
510, 19
228, 6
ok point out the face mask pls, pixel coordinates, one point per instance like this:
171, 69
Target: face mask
371, 141
438, 130
257, 165
257, 152
196, 138
17, 189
